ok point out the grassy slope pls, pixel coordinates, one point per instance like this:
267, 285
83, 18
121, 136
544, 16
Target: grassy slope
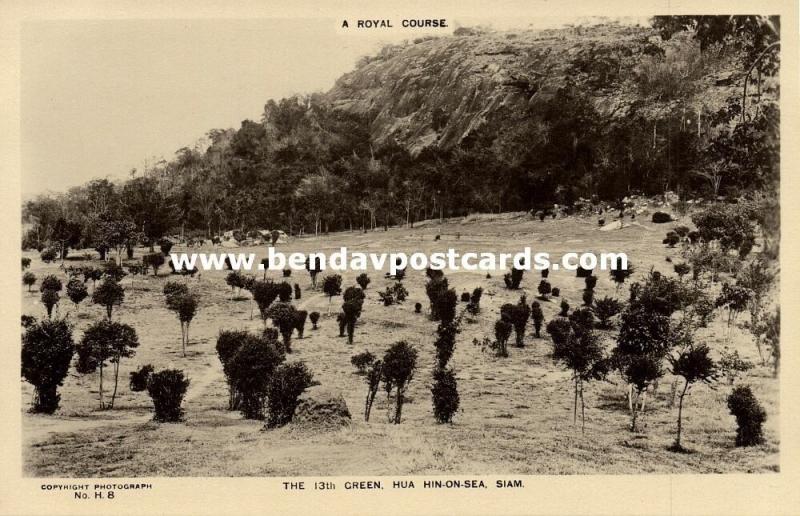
515, 413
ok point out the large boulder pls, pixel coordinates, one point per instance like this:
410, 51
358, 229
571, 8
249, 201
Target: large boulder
320, 407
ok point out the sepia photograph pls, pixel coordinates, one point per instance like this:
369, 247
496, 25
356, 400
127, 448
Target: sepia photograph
369, 248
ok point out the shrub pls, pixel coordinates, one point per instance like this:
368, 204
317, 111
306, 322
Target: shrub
386, 297
351, 311
728, 224
502, 331
435, 288
517, 315
694, 236
165, 246
363, 361
285, 387
605, 309
555, 292
76, 291
660, 217
173, 291
283, 316
48, 255
749, 414
314, 318
618, 274
300, 317
417, 308
50, 299
29, 279
682, 269
297, 292
287, 273
251, 369
399, 364
332, 286
564, 308
513, 278
588, 297
47, 350
545, 273
544, 289
681, 231
445, 395
731, 365
264, 293
538, 317
399, 291
363, 280
373, 380
474, 305
445, 342
342, 323
235, 280
167, 389
228, 343
27, 320
581, 272
465, 297
139, 378
109, 341
284, 292
153, 261
108, 294
590, 282
26, 262
671, 239
185, 307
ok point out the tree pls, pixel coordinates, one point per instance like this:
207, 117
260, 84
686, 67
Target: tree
283, 391
619, 274
399, 364
185, 307
116, 234
605, 309
694, 365
332, 286
445, 395
47, 349
264, 293
67, 234
363, 280
518, 316
300, 322
314, 318
76, 291
153, 261
474, 305
502, 331
49, 300
29, 279
351, 311
544, 289
167, 389
580, 351
729, 224
108, 294
373, 380
537, 316
435, 288
109, 341
250, 369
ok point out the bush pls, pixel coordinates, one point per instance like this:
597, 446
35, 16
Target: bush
435, 288
474, 305
297, 292
285, 387
445, 395
173, 291
555, 292
47, 350
513, 278
48, 255
517, 315
314, 318
502, 331
284, 292
445, 342
544, 289
29, 279
564, 308
681, 231
50, 282
590, 282
167, 389
417, 308
140, 377
581, 272
228, 343
538, 317
287, 273
283, 316
465, 297
235, 280
108, 294
660, 217
50, 299
749, 414
250, 370
731, 365
588, 297
153, 261
671, 239
728, 224
363, 361
342, 323
332, 286
264, 293
363, 280
545, 273
682, 269
165, 246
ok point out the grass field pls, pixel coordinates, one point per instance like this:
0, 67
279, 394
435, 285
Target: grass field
515, 415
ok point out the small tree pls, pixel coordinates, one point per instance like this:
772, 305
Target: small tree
285, 387
332, 286
108, 294
538, 318
185, 307
140, 377
474, 305
284, 292
373, 380
363, 280
109, 341
694, 365
590, 281
399, 364
513, 279
300, 317
619, 275
228, 343
351, 311
564, 308
47, 349
50, 299
51, 282
445, 395
29, 279
588, 297
435, 288
165, 246
445, 342
76, 291
153, 261
605, 309
48, 255
363, 361
264, 293
682, 269
26, 262
297, 292
732, 365
173, 291
314, 317
235, 280
544, 289
749, 414
518, 316
283, 316
502, 331
167, 389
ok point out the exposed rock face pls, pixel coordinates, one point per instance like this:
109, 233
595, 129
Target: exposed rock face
320, 407
437, 91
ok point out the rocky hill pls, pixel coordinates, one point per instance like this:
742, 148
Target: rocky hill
436, 91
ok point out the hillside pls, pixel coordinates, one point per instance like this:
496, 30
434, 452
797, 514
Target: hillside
439, 90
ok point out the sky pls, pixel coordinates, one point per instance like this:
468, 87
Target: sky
101, 97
